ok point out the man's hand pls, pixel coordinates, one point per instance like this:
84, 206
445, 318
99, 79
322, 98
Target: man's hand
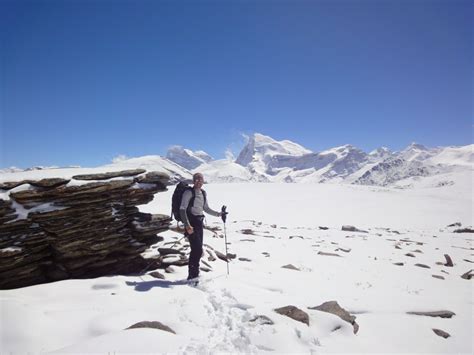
189, 230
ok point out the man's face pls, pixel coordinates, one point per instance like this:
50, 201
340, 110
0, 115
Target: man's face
198, 181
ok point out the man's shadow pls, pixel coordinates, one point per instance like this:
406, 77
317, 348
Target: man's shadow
144, 286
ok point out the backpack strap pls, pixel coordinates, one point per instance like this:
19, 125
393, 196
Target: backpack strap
191, 201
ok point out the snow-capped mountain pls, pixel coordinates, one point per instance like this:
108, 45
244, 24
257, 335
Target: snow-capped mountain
152, 163
264, 159
187, 158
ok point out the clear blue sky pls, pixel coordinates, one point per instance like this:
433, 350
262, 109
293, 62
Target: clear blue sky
85, 81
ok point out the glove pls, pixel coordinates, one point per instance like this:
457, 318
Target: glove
224, 213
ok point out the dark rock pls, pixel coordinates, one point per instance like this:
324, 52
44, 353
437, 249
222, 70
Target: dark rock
464, 230
348, 228
291, 267
152, 325
109, 175
468, 275
168, 251
423, 266
294, 313
327, 254
438, 277
244, 259
442, 314
247, 231
323, 228
87, 231
457, 224
157, 275
296, 236
262, 320
49, 183
449, 261
410, 255
12, 184
334, 308
398, 264
441, 333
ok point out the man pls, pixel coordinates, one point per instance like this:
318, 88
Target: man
192, 214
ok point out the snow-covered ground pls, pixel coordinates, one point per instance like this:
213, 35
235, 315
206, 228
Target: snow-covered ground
282, 222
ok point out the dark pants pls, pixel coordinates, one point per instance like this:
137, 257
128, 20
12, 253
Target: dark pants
195, 241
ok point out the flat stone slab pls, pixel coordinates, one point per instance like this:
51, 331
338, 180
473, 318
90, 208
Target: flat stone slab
442, 314
49, 183
152, 325
109, 175
291, 267
328, 254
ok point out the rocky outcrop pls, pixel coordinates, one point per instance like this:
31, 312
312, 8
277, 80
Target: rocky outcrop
56, 229
334, 308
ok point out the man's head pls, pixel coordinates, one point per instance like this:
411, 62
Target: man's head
198, 180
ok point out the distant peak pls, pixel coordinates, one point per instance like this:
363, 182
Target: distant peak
415, 145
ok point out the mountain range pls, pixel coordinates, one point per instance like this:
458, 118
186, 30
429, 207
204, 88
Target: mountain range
264, 159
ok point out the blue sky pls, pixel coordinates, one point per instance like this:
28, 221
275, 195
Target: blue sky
84, 81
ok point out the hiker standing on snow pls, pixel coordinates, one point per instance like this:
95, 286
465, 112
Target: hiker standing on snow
193, 206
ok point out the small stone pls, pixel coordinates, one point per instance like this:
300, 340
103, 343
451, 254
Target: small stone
441, 333
169, 270
398, 264
410, 255
262, 320
291, 267
157, 275
438, 277
468, 275
244, 259
323, 228
423, 266
327, 254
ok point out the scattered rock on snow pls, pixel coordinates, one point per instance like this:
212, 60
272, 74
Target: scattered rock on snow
464, 230
334, 308
291, 267
457, 224
449, 261
398, 264
442, 314
294, 313
262, 320
441, 333
323, 228
348, 228
244, 259
327, 254
438, 277
296, 236
468, 275
423, 266
410, 255
168, 251
157, 275
152, 325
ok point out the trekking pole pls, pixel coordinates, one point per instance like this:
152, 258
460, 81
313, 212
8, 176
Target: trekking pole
224, 217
